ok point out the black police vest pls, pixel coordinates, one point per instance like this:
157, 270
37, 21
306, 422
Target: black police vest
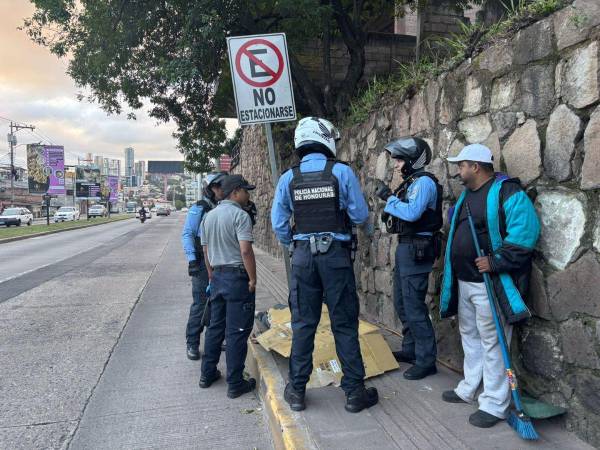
432, 219
206, 207
316, 200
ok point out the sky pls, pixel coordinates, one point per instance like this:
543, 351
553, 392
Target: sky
34, 89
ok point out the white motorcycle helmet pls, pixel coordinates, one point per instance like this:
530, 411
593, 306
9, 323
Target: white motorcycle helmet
314, 134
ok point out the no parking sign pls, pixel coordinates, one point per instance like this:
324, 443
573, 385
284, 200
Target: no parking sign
262, 82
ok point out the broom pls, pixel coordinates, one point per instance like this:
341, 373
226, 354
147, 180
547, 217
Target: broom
517, 419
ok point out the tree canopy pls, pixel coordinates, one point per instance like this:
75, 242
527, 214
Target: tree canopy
172, 54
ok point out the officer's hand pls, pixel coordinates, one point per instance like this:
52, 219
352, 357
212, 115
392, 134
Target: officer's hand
194, 268
483, 264
252, 285
383, 191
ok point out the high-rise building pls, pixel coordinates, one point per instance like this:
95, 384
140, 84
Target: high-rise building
98, 161
111, 167
129, 166
140, 172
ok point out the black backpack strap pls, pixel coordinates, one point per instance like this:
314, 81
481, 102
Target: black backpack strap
297, 174
328, 170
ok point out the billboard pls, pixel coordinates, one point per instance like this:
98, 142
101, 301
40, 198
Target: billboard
113, 184
46, 169
88, 182
165, 167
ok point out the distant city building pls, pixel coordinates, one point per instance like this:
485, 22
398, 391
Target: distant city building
98, 161
192, 194
129, 166
111, 167
140, 172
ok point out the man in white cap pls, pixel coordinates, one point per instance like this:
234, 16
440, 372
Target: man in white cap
508, 228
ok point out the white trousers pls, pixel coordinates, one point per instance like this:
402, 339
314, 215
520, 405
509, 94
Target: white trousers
483, 356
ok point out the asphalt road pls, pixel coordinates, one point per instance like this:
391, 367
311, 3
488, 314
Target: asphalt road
20, 257
92, 347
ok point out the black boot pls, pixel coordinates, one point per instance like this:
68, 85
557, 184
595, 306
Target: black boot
246, 386
451, 397
294, 398
419, 372
206, 382
404, 357
361, 398
193, 353
481, 419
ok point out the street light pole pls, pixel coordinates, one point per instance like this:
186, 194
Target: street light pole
12, 140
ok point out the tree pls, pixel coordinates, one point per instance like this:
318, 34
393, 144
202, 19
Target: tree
173, 54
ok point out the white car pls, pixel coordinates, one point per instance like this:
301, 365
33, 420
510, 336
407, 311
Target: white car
16, 216
66, 213
97, 211
184, 210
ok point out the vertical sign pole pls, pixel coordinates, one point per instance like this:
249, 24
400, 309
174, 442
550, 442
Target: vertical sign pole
275, 176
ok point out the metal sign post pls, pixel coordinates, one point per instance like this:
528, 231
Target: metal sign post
275, 177
262, 84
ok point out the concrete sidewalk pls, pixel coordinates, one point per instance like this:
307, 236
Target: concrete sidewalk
410, 414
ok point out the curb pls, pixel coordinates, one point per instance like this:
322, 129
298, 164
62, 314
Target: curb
44, 233
288, 429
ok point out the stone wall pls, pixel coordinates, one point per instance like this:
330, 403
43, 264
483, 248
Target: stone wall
535, 102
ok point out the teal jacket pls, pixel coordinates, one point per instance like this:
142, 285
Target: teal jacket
513, 228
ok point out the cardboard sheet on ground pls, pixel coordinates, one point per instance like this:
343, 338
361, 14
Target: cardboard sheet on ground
376, 353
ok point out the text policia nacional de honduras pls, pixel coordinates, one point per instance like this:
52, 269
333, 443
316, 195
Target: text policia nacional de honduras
314, 193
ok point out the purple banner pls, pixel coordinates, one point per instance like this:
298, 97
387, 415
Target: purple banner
46, 169
55, 161
113, 183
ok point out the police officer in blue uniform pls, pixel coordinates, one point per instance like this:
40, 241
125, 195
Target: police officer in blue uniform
190, 238
325, 200
414, 213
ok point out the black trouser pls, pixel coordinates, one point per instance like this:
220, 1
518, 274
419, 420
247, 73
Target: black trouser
232, 317
194, 326
329, 275
410, 289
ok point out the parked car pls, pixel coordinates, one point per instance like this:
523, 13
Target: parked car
153, 209
184, 210
97, 211
162, 211
66, 213
16, 216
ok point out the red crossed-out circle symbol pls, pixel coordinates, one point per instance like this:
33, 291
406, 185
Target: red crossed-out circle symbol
273, 74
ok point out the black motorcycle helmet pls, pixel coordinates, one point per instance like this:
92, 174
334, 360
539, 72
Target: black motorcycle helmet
413, 150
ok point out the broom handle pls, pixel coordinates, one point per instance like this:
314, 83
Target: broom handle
499, 327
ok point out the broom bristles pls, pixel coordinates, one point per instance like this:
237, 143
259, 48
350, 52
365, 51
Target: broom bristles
523, 426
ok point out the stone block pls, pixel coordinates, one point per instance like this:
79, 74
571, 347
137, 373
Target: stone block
575, 290
564, 128
587, 389
541, 352
537, 90
382, 165
573, 23
419, 118
383, 248
537, 294
562, 217
522, 153
451, 101
597, 235
392, 250
370, 280
439, 169
400, 121
476, 129
493, 143
445, 138
579, 77
578, 344
372, 140
432, 93
504, 92
504, 123
590, 171
534, 42
475, 96
496, 59
383, 281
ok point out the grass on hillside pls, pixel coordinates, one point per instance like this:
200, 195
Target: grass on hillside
446, 52
24, 230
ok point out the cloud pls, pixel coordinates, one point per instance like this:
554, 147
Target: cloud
35, 89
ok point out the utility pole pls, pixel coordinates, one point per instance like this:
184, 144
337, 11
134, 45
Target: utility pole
12, 140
